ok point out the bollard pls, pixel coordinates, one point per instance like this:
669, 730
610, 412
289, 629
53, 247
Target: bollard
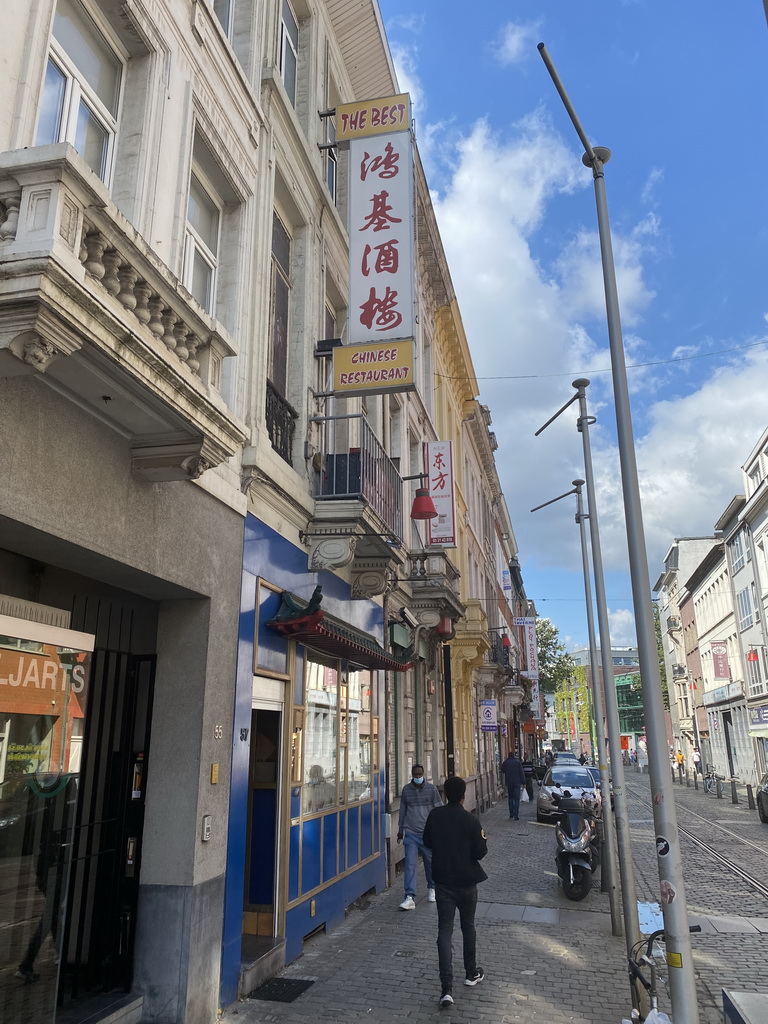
695, 780
734, 794
750, 798
718, 789
687, 780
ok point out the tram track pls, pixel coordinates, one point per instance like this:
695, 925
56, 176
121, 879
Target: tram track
750, 879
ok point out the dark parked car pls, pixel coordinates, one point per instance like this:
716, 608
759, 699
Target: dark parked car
762, 799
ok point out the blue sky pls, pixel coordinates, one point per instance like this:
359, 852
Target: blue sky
677, 91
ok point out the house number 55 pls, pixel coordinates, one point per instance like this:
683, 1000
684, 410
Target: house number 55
218, 732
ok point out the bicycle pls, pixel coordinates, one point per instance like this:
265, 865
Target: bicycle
637, 977
713, 783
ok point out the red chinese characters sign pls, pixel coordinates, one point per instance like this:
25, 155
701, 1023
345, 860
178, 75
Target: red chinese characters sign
381, 236
439, 466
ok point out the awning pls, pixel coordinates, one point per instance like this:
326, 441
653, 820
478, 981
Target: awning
759, 731
324, 633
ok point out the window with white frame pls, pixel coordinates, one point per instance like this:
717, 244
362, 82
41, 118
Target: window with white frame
754, 477
224, 9
744, 605
80, 100
289, 49
202, 241
753, 674
737, 551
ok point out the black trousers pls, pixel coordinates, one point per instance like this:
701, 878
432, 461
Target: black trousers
450, 899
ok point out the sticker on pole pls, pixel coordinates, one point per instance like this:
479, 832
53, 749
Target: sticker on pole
662, 846
674, 959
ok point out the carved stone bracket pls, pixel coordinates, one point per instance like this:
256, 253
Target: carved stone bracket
160, 459
369, 577
468, 652
331, 552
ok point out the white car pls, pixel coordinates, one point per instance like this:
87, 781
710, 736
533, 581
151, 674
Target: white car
574, 778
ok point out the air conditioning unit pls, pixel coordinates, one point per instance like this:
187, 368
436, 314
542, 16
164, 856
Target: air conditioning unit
678, 670
673, 623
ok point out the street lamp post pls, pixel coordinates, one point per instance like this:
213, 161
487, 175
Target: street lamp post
682, 981
609, 850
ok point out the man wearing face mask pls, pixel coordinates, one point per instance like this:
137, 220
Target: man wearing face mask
416, 801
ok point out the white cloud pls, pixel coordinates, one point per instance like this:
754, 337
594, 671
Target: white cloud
516, 42
542, 324
621, 625
405, 59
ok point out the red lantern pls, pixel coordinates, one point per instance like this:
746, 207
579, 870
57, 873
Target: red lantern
423, 507
505, 641
752, 655
444, 626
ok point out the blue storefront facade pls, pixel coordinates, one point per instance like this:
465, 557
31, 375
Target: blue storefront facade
307, 801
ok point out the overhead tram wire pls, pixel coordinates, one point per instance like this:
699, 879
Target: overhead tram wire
630, 366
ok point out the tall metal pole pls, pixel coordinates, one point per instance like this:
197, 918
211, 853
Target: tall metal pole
682, 981
623, 836
609, 850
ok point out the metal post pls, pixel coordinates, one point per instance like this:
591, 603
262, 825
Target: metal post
734, 793
450, 753
750, 798
597, 694
623, 836
682, 981
609, 850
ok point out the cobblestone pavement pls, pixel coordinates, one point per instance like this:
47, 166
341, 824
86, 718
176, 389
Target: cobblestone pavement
546, 959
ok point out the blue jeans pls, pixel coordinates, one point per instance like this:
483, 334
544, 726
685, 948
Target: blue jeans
448, 900
514, 801
414, 845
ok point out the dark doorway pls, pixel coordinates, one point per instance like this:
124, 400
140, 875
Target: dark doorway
263, 803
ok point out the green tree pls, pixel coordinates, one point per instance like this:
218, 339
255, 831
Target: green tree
660, 651
555, 664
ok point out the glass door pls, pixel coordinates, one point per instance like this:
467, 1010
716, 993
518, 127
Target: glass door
44, 672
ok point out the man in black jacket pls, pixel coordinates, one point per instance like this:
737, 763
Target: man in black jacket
457, 843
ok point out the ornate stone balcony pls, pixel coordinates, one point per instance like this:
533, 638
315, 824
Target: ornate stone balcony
434, 583
87, 304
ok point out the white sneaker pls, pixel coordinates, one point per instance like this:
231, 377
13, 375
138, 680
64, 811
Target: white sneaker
409, 903
431, 896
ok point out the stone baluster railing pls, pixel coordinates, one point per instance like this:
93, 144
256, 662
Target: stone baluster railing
9, 217
105, 264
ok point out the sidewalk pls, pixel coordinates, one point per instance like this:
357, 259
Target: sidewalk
546, 959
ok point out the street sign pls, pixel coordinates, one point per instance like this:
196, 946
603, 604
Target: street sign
488, 719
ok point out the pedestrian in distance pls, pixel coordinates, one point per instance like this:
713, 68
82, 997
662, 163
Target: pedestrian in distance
529, 771
458, 844
418, 798
696, 758
680, 760
514, 778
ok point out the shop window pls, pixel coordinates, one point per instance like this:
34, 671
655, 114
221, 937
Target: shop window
81, 93
320, 735
359, 725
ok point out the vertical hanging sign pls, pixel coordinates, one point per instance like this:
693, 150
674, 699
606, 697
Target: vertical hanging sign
440, 481
381, 218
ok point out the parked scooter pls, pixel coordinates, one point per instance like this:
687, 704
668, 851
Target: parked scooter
578, 843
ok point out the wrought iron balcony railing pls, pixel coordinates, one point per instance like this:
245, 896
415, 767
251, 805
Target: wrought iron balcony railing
355, 465
281, 422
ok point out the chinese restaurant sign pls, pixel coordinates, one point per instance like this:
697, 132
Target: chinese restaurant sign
373, 117
375, 367
439, 463
720, 660
381, 224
